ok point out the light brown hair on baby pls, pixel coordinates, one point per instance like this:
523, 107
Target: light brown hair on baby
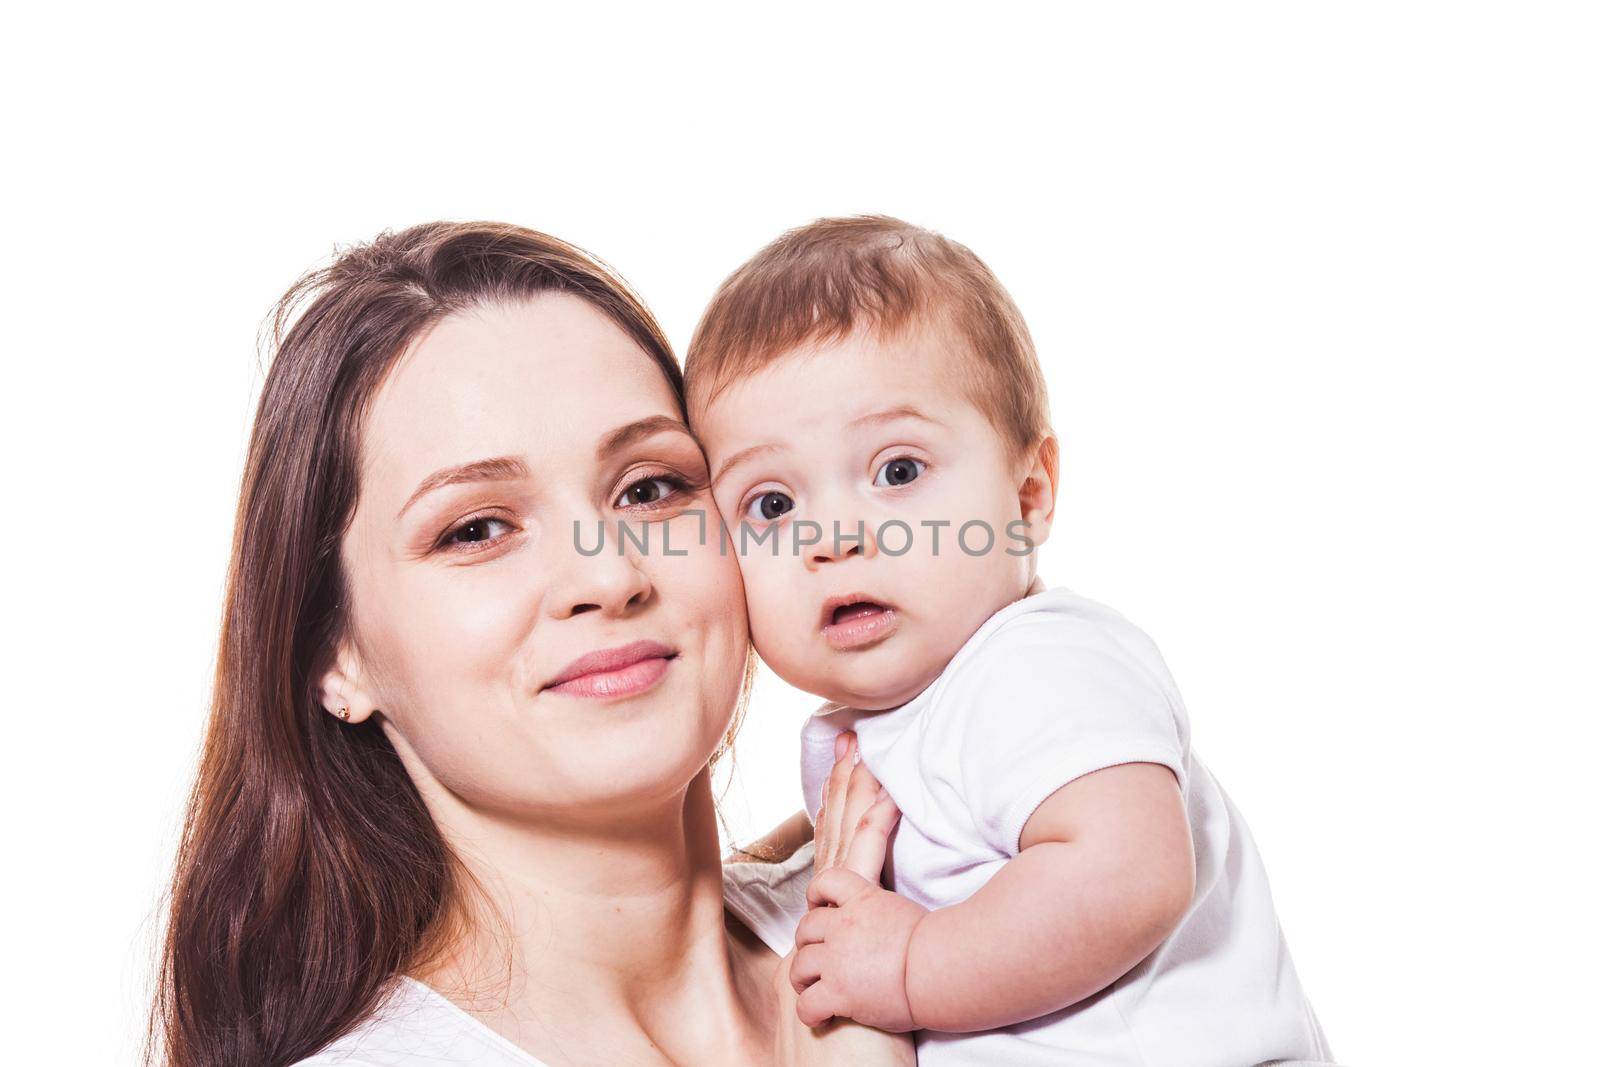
823, 281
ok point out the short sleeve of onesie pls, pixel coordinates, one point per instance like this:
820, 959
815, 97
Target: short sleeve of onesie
1034, 710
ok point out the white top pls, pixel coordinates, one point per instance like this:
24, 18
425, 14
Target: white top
1049, 689
416, 1026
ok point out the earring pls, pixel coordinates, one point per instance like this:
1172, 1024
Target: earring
344, 713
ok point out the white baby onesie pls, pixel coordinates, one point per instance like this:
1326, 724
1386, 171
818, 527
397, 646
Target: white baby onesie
1051, 688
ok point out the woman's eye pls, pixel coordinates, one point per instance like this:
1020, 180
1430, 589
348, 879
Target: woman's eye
475, 531
647, 491
899, 471
769, 506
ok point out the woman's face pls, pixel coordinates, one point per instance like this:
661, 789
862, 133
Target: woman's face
500, 435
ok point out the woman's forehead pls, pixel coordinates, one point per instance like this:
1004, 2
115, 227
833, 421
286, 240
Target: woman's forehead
540, 378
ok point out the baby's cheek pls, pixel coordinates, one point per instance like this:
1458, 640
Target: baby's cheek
774, 627
768, 622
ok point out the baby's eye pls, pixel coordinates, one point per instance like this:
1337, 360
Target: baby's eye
769, 506
647, 491
899, 471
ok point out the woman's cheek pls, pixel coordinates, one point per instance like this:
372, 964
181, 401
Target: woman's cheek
698, 579
466, 631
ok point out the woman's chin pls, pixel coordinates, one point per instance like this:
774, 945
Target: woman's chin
631, 764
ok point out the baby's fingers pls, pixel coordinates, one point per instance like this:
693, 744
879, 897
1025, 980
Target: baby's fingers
813, 926
869, 845
806, 967
836, 887
817, 1004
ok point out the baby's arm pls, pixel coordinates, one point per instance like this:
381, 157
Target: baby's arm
1105, 871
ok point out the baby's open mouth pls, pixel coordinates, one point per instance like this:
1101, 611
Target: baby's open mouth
857, 621
855, 610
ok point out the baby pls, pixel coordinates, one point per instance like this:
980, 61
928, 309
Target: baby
1070, 883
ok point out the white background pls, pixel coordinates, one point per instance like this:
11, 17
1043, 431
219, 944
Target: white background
1315, 288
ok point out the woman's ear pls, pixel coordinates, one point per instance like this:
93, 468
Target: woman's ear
342, 694
1041, 476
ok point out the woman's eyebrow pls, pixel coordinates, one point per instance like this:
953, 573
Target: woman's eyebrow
498, 469
638, 430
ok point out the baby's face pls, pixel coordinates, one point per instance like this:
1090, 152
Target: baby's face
874, 435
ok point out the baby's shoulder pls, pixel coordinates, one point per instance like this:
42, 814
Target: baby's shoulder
1048, 632
1046, 649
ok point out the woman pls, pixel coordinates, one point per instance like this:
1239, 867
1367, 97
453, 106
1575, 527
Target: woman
454, 802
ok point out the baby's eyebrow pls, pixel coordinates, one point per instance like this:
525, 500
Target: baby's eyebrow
742, 456
902, 411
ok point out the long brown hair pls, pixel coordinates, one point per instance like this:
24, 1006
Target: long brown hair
309, 872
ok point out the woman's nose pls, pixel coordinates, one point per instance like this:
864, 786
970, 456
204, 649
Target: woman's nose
612, 581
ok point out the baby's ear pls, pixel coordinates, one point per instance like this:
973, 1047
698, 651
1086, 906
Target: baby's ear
340, 689
1041, 475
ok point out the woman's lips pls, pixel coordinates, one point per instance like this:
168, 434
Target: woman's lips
857, 622
614, 672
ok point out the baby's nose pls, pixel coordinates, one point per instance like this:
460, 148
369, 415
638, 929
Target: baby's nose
840, 541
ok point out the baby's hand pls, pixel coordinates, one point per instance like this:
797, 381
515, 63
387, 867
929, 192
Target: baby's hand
850, 949
852, 834
850, 958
